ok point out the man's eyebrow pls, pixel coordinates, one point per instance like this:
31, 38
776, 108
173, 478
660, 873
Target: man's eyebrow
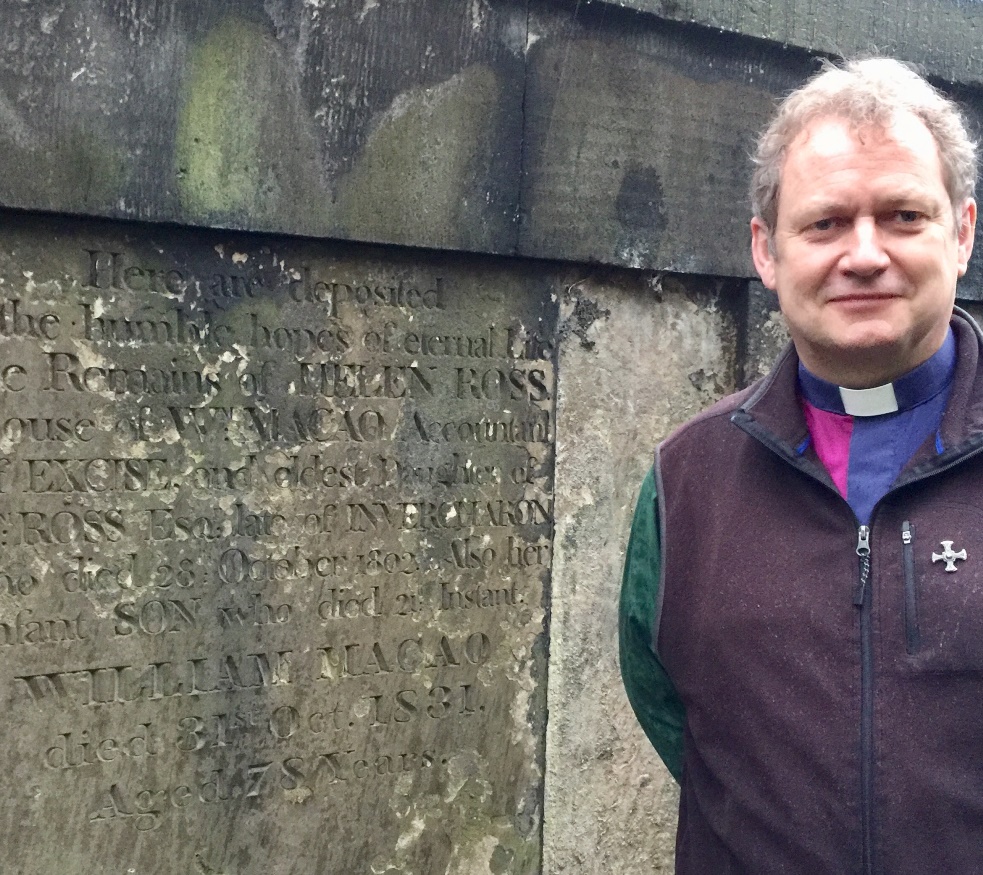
900, 197
823, 204
924, 197
820, 206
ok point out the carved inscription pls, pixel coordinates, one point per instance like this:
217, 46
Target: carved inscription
276, 525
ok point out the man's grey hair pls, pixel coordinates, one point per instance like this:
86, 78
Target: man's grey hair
869, 92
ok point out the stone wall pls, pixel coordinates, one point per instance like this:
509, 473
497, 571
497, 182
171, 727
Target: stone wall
575, 174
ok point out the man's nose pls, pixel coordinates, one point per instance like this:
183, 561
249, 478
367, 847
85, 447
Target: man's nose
865, 255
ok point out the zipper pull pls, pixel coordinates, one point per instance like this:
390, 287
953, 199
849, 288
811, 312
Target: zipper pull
863, 541
906, 532
863, 551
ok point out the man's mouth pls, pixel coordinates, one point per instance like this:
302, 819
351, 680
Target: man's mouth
863, 297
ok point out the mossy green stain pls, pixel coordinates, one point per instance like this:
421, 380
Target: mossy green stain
218, 144
513, 853
515, 856
408, 182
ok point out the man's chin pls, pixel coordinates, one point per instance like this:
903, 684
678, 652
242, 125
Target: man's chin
873, 358
875, 336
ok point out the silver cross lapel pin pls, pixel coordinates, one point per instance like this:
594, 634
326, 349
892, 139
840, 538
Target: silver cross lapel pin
949, 556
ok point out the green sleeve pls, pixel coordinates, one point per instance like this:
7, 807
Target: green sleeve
650, 691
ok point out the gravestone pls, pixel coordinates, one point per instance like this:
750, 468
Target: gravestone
276, 521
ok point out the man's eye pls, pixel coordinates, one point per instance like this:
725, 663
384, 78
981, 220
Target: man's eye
907, 217
824, 225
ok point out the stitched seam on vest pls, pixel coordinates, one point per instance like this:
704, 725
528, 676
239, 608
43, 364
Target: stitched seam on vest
661, 516
949, 459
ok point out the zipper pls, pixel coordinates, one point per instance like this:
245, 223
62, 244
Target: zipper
910, 601
862, 599
863, 551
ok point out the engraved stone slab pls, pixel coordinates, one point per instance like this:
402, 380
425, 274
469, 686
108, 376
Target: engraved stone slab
276, 521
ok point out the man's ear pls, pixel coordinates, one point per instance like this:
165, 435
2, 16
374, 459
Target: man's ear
761, 252
966, 232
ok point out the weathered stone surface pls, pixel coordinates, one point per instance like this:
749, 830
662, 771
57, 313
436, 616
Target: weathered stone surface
637, 140
941, 35
275, 522
765, 333
583, 133
637, 143
396, 122
638, 355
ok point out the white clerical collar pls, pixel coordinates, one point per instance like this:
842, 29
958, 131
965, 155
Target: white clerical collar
905, 393
869, 402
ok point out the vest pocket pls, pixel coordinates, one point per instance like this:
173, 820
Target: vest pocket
910, 596
938, 587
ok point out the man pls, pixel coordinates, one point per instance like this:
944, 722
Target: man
802, 606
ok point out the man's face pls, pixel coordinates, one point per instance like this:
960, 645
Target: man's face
865, 252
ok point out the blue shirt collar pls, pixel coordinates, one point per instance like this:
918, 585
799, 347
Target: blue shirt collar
909, 390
